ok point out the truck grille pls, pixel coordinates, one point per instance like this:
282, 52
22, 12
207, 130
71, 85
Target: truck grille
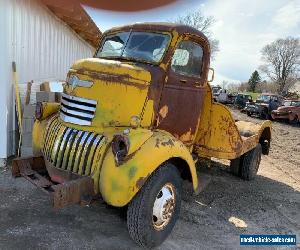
77, 110
71, 149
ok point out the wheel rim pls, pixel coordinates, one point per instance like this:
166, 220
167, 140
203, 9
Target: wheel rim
164, 206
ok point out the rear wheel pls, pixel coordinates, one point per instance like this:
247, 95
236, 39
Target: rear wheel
235, 166
153, 212
250, 163
294, 120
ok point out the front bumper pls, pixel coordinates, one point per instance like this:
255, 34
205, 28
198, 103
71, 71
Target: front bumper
280, 115
74, 189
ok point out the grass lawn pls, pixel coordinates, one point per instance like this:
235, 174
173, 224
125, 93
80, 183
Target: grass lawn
253, 94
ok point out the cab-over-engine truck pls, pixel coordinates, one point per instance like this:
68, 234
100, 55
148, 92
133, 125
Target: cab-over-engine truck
130, 123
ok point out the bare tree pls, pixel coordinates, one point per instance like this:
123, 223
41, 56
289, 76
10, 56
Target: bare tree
282, 62
200, 22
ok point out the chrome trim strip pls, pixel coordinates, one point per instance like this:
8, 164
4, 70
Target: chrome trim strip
74, 120
78, 106
79, 99
78, 113
76, 82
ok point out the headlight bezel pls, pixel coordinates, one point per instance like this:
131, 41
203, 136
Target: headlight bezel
120, 148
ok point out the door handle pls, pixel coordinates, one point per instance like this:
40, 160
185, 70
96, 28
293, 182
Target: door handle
182, 80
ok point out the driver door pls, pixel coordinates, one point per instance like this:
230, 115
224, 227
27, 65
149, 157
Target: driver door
183, 93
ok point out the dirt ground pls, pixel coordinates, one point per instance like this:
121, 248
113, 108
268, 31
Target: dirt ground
268, 205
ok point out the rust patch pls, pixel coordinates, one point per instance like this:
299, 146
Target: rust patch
122, 79
185, 104
68, 192
169, 142
140, 182
157, 143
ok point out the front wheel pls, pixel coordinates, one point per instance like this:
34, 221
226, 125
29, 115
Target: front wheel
153, 212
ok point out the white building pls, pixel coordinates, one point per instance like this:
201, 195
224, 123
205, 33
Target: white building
44, 38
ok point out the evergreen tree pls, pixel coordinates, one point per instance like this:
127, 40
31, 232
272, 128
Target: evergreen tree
254, 81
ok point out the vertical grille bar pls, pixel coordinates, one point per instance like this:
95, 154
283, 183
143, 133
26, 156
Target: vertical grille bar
96, 155
52, 140
49, 128
74, 150
86, 153
91, 154
56, 143
51, 134
56, 146
89, 140
69, 145
79, 151
62, 147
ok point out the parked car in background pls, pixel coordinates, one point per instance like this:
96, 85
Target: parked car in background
290, 111
264, 105
216, 92
241, 100
224, 96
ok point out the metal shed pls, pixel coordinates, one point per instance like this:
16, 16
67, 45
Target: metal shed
44, 38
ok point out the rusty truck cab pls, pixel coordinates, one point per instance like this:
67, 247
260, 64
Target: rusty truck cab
178, 79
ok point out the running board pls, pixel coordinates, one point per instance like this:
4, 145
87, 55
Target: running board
75, 189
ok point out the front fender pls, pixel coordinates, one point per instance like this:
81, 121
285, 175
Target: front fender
119, 183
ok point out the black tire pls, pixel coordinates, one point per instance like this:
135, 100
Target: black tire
235, 166
269, 117
140, 219
248, 113
294, 121
265, 147
251, 163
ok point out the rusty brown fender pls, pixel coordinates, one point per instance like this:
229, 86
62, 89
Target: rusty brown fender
119, 183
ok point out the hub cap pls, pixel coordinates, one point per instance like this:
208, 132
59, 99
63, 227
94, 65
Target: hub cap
163, 206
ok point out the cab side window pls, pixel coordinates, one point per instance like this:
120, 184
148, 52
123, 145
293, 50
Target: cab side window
188, 59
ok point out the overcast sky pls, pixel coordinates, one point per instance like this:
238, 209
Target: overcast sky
243, 27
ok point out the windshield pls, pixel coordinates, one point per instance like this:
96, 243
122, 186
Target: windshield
287, 103
263, 98
139, 46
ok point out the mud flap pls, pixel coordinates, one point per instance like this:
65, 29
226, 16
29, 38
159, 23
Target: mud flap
77, 189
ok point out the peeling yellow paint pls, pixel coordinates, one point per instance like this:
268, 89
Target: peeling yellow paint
164, 111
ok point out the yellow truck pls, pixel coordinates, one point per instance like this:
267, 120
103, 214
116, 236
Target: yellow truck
132, 122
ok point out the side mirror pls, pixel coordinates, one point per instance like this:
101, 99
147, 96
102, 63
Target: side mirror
211, 75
